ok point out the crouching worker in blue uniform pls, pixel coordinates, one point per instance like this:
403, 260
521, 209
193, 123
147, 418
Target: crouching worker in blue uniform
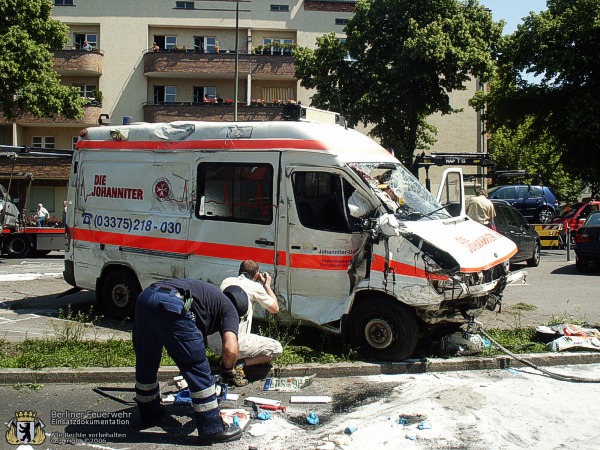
178, 315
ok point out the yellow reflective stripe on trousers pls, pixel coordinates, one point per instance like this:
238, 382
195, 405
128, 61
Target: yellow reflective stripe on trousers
205, 393
203, 407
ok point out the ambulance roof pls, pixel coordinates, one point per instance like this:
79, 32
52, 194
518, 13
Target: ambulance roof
347, 144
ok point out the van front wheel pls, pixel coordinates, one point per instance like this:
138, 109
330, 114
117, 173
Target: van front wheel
383, 329
120, 291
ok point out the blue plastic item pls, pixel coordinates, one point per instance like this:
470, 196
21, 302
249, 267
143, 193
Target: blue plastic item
403, 421
236, 421
425, 425
264, 416
312, 418
183, 397
350, 430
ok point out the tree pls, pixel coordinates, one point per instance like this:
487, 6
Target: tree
511, 149
28, 83
400, 61
561, 47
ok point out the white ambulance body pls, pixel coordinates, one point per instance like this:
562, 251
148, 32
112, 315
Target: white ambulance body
194, 199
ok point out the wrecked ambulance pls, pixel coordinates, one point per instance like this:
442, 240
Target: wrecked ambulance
355, 244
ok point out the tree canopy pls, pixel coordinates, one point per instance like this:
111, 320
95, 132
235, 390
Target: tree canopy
560, 47
398, 64
28, 83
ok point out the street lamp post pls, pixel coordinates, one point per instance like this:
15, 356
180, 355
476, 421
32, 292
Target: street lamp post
237, 43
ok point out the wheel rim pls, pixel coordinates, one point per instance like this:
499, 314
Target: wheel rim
18, 246
545, 216
120, 295
379, 333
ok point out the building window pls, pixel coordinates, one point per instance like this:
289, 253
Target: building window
205, 44
86, 90
200, 92
235, 192
277, 94
78, 39
279, 46
184, 5
341, 21
165, 94
42, 141
63, 2
280, 8
170, 42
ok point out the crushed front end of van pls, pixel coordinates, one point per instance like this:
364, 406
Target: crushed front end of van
418, 267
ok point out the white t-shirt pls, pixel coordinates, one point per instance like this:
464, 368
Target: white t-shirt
256, 294
42, 213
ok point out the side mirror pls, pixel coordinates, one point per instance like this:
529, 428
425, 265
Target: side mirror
389, 226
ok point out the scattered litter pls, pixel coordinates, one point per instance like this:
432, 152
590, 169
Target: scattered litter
513, 371
258, 429
289, 384
312, 418
463, 343
572, 342
350, 429
403, 421
180, 382
232, 397
221, 391
310, 399
551, 332
425, 425
263, 415
412, 437
239, 417
273, 408
261, 401
168, 398
183, 397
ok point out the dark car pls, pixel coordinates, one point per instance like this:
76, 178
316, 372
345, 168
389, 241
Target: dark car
511, 224
587, 243
537, 203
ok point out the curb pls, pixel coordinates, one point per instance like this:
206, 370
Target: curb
127, 374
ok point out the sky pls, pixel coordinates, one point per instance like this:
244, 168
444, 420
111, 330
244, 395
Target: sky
512, 11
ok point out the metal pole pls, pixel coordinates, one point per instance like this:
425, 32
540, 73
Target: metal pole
237, 43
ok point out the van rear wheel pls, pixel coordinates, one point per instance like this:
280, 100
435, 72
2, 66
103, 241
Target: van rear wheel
120, 290
383, 329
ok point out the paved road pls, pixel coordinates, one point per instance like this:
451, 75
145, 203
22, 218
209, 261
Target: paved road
479, 410
29, 305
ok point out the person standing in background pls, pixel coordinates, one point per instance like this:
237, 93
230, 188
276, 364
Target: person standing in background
64, 214
480, 209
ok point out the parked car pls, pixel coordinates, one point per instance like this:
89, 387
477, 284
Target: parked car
510, 223
574, 215
587, 242
537, 203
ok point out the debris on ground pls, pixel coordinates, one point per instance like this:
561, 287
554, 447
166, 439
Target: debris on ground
463, 343
567, 336
289, 384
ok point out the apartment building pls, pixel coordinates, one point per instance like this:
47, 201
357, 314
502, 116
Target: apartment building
167, 60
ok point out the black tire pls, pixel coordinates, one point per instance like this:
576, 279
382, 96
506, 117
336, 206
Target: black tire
544, 215
535, 259
383, 329
581, 265
19, 246
120, 290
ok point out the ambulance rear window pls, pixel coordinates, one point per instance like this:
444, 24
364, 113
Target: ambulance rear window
235, 192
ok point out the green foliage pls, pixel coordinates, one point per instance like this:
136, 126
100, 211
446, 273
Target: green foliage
28, 82
514, 149
561, 46
398, 65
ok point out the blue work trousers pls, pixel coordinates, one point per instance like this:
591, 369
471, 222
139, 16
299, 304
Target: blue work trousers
159, 322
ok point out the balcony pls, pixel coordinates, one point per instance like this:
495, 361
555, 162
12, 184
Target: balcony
90, 117
78, 62
190, 64
209, 112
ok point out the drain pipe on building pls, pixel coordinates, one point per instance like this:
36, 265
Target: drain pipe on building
478, 327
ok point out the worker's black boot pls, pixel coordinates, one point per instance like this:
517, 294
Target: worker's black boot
229, 433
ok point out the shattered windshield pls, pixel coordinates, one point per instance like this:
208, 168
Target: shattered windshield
400, 191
